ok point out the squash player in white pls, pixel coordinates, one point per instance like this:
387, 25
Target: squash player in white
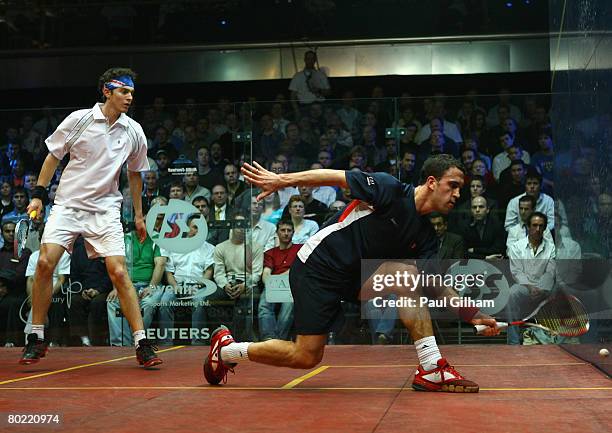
88, 202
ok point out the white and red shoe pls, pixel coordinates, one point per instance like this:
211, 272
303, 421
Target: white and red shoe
215, 371
443, 378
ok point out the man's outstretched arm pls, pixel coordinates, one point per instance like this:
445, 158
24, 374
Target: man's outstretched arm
270, 182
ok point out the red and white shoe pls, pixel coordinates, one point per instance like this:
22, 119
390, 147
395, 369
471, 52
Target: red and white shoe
443, 378
215, 371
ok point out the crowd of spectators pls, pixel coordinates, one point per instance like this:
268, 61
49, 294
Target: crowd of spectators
505, 143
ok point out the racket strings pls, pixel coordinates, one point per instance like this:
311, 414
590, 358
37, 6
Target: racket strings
21, 233
564, 316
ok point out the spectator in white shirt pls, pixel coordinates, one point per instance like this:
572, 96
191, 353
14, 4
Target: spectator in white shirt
503, 159
544, 203
310, 84
532, 263
263, 232
520, 230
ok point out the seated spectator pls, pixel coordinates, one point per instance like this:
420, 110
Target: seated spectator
502, 160
520, 230
30, 182
233, 185
514, 185
277, 261
471, 142
515, 154
186, 273
543, 161
390, 162
532, 263
408, 172
193, 188
544, 203
164, 178
451, 133
268, 140
36, 230
163, 141
20, 203
597, 230
87, 313
479, 168
495, 115
313, 208
324, 194
262, 231
220, 211
350, 116
483, 235
234, 279
450, 245
150, 190
302, 228
435, 144
462, 214
208, 175
272, 211
217, 159
12, 288
284, 194
6, 198
147, 269
176, 191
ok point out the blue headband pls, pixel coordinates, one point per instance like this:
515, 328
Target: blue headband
122, 81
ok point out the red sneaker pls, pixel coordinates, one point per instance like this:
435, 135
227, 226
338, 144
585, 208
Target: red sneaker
442, 378
215, 370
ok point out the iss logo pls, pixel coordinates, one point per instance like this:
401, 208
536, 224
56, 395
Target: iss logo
168, 226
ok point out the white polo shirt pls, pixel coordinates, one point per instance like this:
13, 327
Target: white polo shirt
97, 151
189, 267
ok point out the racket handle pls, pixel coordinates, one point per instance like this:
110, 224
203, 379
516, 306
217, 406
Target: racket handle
480, 328
33, 214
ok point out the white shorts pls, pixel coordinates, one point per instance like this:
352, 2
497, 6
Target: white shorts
103, 232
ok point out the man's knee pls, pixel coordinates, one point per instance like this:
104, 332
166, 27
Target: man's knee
45, 265
308, 354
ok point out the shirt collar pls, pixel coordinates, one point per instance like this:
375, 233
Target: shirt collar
98, 115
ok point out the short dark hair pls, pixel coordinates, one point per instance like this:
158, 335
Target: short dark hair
479, 178
539, 215
112, 73
200, 198
437, 165
284, 222
518, 162
528, 198
438, 215
18, 189
176, 183
534, 175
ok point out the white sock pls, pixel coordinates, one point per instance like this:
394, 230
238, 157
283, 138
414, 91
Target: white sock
235, 352
39, 330
138, 335
85, 341
428, 352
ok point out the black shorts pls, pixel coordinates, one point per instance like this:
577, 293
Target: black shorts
317, 298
